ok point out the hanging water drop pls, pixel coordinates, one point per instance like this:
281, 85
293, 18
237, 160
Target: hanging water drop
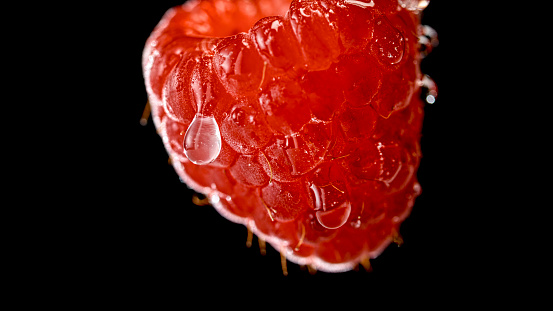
202, 141
389, 43
429, 89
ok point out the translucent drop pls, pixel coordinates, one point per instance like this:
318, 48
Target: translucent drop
202, 141
335, 218
389, 44
329, 213
429, 89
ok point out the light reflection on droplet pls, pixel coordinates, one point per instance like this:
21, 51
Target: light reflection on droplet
430, 99
429, 89
202, 141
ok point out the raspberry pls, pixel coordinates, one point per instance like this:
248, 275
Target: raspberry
299, 119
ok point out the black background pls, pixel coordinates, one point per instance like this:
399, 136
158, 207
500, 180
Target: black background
142, 234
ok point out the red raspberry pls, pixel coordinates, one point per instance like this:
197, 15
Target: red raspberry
300, 120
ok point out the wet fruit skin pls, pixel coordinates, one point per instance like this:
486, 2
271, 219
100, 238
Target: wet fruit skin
318, 107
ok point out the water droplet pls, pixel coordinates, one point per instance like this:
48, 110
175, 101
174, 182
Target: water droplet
429, 89
334, 218
332, 208
389, 42
202, 141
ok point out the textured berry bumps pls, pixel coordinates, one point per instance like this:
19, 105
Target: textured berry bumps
298, 119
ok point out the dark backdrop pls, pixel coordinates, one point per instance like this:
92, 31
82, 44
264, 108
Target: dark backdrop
149, 236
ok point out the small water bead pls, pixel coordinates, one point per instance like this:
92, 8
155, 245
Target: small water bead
430, 98
335, 218
202, 141
429, 89
332, 208
389, 43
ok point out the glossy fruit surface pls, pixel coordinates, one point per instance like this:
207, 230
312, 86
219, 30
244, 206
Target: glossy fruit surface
300, 120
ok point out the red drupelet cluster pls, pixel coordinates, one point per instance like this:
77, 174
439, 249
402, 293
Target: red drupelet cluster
300, 120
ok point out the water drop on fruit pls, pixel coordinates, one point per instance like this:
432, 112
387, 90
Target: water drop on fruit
335, 218
356, 223
202, 141
429, 89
